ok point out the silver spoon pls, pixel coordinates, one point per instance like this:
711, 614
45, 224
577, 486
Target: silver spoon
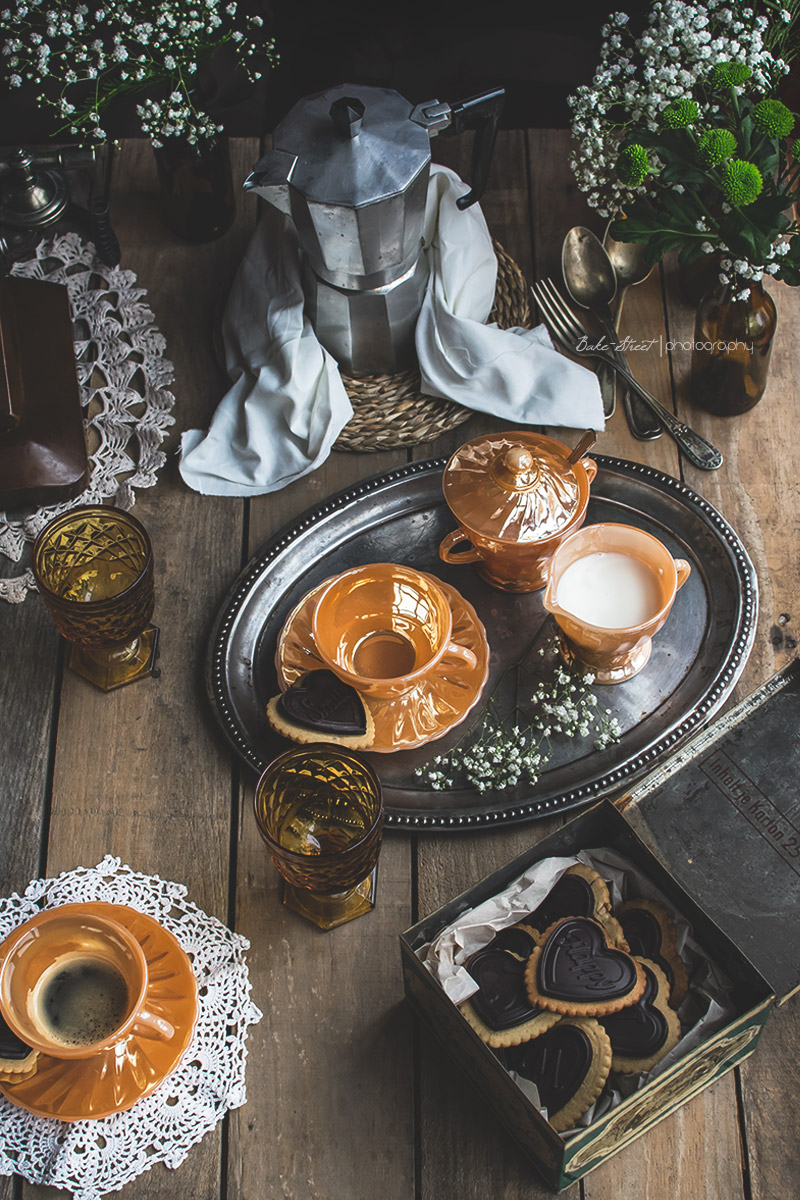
630, 267
592, 284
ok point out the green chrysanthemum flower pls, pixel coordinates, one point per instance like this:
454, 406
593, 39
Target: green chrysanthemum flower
741, 182
680, 114
633, 165
715, 146
730, 74
773, 118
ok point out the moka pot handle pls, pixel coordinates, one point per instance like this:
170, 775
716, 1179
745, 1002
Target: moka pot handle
481, 113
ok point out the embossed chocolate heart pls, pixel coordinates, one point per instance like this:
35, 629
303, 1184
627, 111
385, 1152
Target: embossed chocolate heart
640, 1030
572, 896
323, 701
502, 1001
644, 935
557, 1062
578, 966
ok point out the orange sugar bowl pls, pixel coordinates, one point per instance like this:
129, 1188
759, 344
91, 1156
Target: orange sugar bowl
516, 497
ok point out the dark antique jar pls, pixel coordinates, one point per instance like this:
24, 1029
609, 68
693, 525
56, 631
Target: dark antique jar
732, 348
196, 185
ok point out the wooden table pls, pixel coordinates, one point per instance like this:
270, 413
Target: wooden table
348, 1098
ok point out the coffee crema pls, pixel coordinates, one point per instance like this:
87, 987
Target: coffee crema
81, 1001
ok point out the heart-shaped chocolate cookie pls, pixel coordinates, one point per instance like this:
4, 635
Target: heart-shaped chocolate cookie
580, 892
11, 1047
17, 1061
575, 970
650, 933
324, 702
500, 1011
645, 1031
516, 939
569, 1065
502, 1000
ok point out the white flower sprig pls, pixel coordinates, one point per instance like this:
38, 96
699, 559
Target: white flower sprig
633, 108
637, 78
499, 752
84, 56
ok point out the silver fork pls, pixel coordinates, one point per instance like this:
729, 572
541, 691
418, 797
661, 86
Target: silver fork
564, 325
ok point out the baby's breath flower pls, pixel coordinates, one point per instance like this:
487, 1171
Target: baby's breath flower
127, 47
499, 753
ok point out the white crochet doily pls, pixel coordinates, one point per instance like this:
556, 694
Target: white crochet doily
124, 380
91, 1158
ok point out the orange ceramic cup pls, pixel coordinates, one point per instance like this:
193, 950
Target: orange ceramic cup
72, 984
384, 628
614, 653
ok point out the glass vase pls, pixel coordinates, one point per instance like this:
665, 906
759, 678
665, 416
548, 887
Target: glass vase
196, 186
732, 348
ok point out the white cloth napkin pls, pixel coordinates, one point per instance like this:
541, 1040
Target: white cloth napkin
288, 404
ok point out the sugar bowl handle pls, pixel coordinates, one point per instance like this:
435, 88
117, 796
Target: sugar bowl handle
590, 467
446, 553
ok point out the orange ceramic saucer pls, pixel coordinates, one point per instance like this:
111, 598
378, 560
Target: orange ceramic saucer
435, 706
80, 1088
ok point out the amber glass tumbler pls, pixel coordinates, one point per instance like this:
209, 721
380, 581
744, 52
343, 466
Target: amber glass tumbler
94, 570
320, 811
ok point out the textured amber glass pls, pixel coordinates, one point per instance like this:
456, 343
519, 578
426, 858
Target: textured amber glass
320, 811
94, 570
732, 349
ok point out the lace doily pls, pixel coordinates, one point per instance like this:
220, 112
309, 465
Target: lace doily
124, 380
91, 1158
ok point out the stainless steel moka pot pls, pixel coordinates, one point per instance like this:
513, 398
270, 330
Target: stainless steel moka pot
350, 166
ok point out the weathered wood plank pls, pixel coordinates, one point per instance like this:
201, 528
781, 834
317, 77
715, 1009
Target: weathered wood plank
770, 1097
694, 1153
143, 772
756, 490
330, 1067
30, 654
709, 1131
464, 1151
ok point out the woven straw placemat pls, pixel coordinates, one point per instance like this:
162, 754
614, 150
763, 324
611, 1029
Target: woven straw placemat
390, 411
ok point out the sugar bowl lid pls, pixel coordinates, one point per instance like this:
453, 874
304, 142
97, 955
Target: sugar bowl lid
516, 486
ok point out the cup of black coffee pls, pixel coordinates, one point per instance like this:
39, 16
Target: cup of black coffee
73, 982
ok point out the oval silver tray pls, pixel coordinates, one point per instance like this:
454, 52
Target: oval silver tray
401, 517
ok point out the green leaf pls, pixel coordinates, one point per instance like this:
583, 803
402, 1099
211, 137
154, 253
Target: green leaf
683, 172
789, 273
